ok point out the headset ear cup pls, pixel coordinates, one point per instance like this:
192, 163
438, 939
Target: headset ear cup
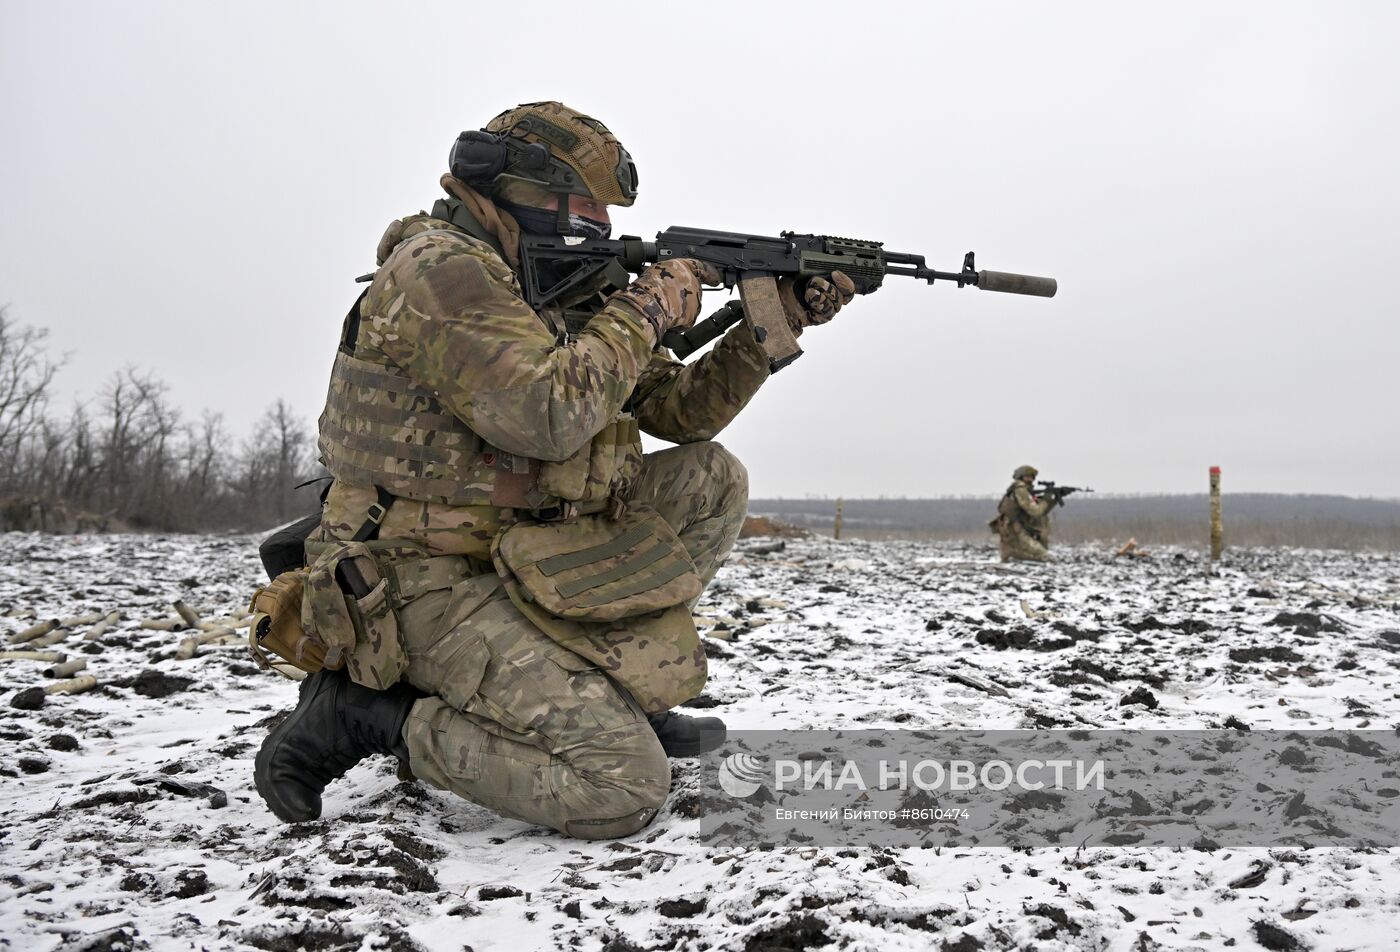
477, 157
535, 156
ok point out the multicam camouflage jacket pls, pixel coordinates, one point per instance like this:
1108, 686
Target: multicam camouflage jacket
1020, 507
467, 405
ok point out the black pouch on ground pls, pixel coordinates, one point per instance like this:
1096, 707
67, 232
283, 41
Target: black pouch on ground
285, 549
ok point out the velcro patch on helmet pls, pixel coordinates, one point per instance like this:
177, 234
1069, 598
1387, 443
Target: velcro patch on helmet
549, 132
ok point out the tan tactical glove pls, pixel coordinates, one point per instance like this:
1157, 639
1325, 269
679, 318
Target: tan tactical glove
820, 301
668, 294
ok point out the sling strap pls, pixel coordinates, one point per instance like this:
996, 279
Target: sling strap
369, 529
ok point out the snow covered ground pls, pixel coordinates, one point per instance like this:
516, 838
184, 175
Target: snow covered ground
131, 820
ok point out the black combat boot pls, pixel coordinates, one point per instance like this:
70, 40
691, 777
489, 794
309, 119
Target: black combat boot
336, 724
684, 736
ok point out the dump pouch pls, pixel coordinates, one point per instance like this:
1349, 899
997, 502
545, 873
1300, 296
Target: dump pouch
597, 568
276, 637
615, 592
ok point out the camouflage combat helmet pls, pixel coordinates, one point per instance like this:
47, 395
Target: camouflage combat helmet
1024, 472
580, 156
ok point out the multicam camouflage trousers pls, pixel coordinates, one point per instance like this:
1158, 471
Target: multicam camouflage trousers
1018, 544
527, 728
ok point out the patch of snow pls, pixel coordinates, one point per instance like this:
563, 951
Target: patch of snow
113, 837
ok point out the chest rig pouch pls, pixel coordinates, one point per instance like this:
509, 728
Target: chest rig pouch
603, 470
609, 464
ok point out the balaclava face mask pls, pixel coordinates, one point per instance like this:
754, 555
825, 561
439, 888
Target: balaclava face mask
544, 221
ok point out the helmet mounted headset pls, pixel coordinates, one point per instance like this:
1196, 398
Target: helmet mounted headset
484, 159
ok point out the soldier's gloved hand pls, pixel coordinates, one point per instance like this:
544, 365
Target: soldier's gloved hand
819, 302
668, 293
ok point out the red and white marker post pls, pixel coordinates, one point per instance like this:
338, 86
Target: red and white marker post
1217, 534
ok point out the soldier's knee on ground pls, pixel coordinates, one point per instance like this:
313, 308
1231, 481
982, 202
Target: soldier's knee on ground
1027, 553
611, 785
629, 785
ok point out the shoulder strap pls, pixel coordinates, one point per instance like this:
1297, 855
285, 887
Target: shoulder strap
369, 529
454, 212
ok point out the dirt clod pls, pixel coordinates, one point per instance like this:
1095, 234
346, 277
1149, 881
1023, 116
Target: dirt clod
119, 939
30, 699
189, 883
1059, 920
1276, 938
488, 893
1021, 637
766, 526
681, 908
1278, 654
1140, 695
155, 684
800, 932
1306, 623
136, 882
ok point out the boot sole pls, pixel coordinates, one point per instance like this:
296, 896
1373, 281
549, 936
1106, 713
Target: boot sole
697, 747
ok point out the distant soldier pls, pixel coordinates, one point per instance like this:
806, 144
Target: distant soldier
1023, 519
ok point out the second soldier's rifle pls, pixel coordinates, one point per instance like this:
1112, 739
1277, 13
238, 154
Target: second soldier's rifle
559, 272
1058, 493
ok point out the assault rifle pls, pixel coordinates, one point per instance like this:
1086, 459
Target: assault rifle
559, 272
1058, 493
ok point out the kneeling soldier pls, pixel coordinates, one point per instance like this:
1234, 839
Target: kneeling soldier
509, 578
1023, 519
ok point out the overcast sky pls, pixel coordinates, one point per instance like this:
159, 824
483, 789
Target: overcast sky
190, 188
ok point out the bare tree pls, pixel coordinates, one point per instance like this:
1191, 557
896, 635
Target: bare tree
26, 373
205, 449
274, 459
127, 458
138, 428
289, 438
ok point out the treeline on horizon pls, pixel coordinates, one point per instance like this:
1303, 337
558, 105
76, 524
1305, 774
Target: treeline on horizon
1309, 521
130, 460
